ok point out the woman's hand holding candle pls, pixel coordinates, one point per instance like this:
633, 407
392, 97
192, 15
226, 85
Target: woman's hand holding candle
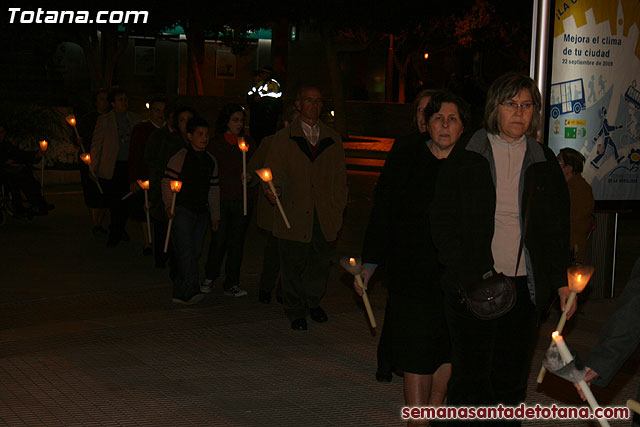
365, 275
564, 293
354, 266
577, 276
567, 358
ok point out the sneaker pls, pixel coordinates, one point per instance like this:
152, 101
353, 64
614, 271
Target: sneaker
235, 291
193, 300
206, 286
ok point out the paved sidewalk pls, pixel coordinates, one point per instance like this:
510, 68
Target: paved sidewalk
88, 336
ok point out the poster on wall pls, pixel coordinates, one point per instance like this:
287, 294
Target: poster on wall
594, 97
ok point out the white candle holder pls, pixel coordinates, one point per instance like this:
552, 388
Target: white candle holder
266, 175
354, 266
86, 158
567, 358
176, 186
244, 147
145, 187
578, 276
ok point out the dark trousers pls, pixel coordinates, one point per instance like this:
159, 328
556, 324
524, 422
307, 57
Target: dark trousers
490, 358
270, 265
114, 189
187, 233
384, 345
304, 272
229, 240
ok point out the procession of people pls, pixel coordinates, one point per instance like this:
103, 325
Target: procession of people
454, 208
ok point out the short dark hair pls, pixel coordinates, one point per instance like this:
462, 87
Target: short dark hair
196, 122
573, 158
439, 98
422, 94
157, 99
503, 89
99, 91
114, 93
225, 115
176, 115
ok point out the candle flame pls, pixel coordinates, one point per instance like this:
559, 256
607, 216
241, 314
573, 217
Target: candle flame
352, 261
242, 144
264, 174
71, 119
176, 186
555, 335
143, 184
43, 145
578, 277
86, 157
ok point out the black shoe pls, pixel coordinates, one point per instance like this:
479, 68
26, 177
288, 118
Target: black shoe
147, 252
299, 325
112, 241
384, 376
264, 297
318, 314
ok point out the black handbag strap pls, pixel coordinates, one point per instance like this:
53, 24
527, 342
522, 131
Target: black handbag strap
526, 221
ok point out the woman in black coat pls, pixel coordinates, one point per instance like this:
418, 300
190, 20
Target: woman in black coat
398, 236
477, 219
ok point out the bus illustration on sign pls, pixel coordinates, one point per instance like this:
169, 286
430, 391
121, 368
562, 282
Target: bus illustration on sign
567, 97
632, 95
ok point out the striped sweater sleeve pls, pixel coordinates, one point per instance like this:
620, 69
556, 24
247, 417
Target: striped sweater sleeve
172, 171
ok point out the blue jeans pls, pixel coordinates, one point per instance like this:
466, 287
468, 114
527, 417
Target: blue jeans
187, 234
229, 240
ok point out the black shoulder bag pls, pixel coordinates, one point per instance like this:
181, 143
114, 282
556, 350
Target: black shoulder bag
495, 296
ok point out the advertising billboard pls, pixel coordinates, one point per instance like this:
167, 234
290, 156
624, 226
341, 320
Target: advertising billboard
594, 96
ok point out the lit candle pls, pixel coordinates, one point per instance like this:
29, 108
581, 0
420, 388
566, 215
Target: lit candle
354, 266
145, 187
86, 158
43, 147
244, 147
578, 277
567, 358
175, 189
266, 176
71, 119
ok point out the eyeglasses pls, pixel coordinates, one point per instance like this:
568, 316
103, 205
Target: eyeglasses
513, 106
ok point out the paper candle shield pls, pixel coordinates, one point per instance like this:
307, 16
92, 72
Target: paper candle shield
579, 276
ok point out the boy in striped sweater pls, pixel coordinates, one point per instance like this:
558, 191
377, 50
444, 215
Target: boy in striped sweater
197, 203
